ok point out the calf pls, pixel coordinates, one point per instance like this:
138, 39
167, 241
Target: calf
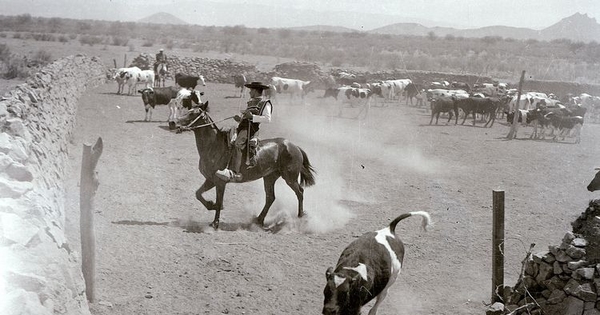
443, 105
366, 269
567, 125
595, 183
157, 96
333, 92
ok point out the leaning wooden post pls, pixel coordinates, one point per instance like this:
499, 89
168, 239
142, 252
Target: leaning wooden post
125, 61
87, 189
513, 129
115, 62
498, 245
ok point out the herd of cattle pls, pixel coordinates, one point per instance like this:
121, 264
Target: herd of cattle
545, 113
369, 266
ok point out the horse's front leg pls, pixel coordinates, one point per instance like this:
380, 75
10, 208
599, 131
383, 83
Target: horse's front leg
206, 186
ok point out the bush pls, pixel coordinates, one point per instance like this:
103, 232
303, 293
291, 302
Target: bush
17, 35
90, 40
41, 58
148, 43
63, 39
16, 68
4, 53
119, 41
3, 35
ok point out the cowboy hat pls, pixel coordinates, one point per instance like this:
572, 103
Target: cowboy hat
256, 85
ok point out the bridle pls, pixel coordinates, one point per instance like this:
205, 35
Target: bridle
203, 114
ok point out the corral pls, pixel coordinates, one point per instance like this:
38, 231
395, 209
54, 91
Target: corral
368, 171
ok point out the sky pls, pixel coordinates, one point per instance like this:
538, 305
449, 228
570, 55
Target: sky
361, 15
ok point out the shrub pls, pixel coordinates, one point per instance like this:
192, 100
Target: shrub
90, 40
119, 41
73, 36
148, 43
42, 58
17, 35
63, 39
16, 68
4, 53
3, 35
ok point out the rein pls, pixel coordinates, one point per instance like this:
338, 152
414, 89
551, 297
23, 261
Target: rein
190, 127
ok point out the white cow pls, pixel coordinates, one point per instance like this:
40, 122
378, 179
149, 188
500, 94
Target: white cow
396, 87
491, 89
291, 86
433, 94
147, 77
122, 76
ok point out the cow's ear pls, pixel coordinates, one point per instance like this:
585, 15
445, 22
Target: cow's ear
140, 91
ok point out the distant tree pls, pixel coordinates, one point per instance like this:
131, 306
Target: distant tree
284, 33
431, 35
449, 37
263, 31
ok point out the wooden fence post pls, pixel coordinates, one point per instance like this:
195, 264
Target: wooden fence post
125, 61
87, 189
115, 62
497, 245
513, 129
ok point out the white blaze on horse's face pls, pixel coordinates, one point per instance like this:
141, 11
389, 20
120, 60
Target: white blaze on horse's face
203, 81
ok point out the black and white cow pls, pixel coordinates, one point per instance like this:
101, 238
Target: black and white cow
366, 269
595, 183
157, 96
567, 126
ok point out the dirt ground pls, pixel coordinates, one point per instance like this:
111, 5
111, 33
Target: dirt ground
369, 171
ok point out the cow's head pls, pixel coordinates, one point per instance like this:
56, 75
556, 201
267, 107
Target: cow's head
192, 100
341, 294
595, 183
308, 86
148, 96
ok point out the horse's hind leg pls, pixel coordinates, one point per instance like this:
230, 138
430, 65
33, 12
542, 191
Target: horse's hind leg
269, 184
298, 190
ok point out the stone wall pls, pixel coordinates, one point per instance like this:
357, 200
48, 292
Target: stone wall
565, 279
39, 272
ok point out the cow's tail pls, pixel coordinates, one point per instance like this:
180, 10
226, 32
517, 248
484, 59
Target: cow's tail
426, 222
307, 173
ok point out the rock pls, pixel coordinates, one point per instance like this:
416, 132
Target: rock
545, 272
557, 296
579, 242
574, 306
573, 265
575, 252
17, 230
19, 302
495, 309
586, 273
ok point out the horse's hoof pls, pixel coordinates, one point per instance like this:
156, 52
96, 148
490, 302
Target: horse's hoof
214, 225
259, 222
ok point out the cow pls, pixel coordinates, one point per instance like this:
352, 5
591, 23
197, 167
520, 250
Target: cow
443, 105
157, 96
147, 77
183, 102
396, 87
127, 76
333, 92
477, 105
595, 183
412, 91
567, 126
436, 93
189, 81
366, 269
461, 86
291, 86
240, 80
491, 89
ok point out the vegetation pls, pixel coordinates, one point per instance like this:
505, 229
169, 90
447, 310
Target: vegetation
493, 56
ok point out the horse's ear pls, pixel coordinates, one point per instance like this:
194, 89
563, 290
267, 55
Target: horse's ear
204, 106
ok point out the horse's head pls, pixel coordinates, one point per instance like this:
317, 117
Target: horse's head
196, 117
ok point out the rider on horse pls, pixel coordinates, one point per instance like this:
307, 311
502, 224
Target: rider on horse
161, 57
257, 111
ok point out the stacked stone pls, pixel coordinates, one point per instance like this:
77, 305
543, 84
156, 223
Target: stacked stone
39, 269
566, 278
213, 70
143, 61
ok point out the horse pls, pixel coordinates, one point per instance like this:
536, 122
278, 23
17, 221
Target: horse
161, 74
275, 158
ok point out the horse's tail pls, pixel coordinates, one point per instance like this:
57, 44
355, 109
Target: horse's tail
307, 173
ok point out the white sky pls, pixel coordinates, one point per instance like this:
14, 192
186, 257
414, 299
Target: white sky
277, 13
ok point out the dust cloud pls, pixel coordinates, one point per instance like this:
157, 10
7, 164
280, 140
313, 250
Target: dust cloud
330, 142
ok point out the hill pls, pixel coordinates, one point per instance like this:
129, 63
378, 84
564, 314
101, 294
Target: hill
323, 28
578, 27
163, 18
